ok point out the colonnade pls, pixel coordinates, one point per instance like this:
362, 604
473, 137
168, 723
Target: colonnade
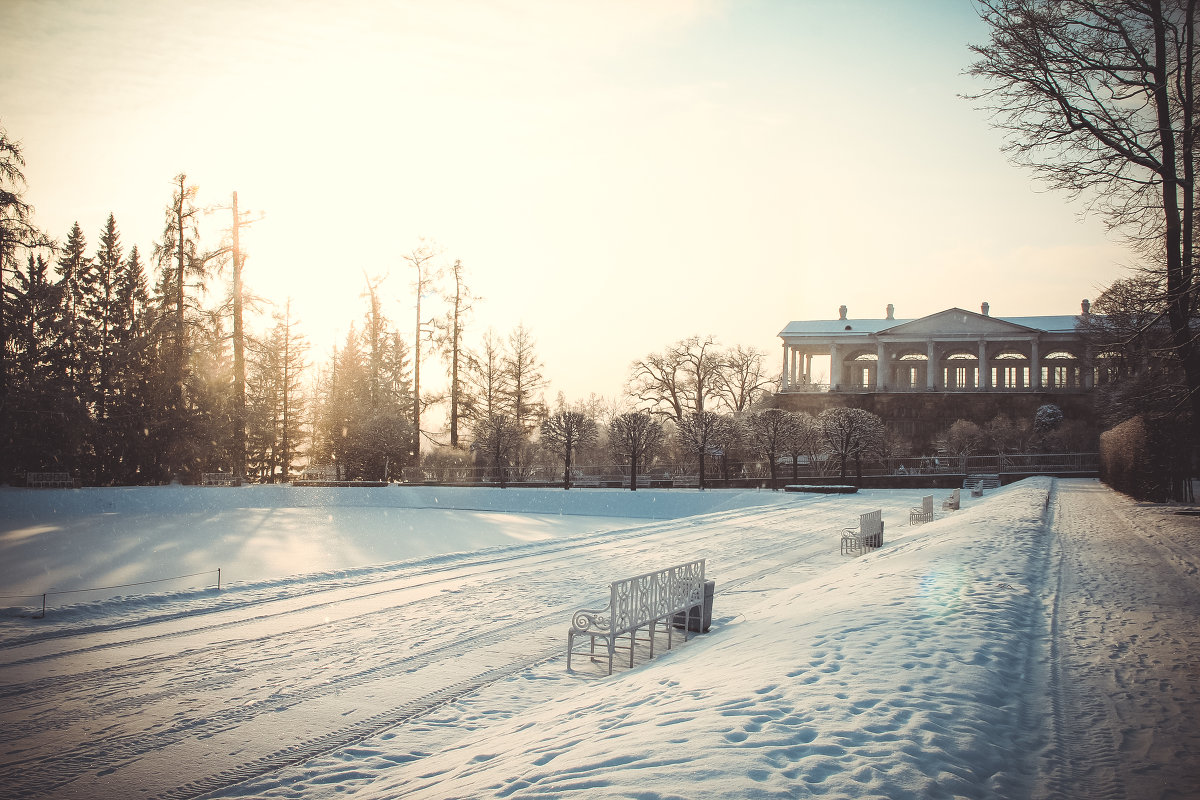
956, 366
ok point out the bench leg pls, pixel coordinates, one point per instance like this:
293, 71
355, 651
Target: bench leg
570, 641
652, 638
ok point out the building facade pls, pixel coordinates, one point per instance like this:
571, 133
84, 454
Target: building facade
962, 364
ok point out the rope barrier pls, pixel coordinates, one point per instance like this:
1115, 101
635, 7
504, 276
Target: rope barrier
45, 594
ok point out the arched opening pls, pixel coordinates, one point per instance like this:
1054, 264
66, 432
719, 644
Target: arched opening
1010, 370
862, 371
1061, 370
960, 371
912, 371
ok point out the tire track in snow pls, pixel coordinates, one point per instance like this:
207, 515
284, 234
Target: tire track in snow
501, 559
351, 735
64, 766
478, 569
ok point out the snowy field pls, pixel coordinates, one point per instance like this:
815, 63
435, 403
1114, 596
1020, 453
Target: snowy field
384, 643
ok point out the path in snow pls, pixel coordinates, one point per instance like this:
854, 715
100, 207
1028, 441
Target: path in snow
1125, 683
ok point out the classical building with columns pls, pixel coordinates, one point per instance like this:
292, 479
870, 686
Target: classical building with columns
963, 364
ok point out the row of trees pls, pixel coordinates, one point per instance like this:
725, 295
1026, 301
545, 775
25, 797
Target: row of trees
837, 441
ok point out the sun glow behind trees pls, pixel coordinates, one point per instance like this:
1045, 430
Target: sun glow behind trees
633, 152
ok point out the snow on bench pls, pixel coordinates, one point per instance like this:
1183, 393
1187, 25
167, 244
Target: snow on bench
49, 480
641, 602
868, 536
923, 513
217, 479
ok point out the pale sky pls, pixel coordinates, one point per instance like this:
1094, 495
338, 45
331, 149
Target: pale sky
616, 175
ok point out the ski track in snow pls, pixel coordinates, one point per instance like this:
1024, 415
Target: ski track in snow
308, 662
1039, 643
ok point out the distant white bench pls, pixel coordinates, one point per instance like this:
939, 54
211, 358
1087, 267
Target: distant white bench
639, 602
976, 484
49, 480
868, 536
217, 479
953, 502
922, 513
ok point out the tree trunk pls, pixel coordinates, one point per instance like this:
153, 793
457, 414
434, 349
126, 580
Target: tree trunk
567, 467
239, 361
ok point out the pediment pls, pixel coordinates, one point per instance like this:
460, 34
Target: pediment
955, 321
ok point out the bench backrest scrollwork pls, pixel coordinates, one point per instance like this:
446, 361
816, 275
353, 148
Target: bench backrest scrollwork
637, 601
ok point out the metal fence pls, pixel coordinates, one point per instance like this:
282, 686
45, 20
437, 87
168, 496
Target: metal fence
667, 474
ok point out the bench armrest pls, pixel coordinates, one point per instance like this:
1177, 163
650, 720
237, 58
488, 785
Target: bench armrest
586, 620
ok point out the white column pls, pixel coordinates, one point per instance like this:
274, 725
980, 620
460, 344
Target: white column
1035, 366
783, 375
931, 367
882, 378
985, 373
835, 367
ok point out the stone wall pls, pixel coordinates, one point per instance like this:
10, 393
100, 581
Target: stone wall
921, 416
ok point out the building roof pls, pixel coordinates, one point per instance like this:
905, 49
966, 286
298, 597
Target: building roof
826, 327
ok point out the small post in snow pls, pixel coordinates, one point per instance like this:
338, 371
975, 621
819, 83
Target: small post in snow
218, 579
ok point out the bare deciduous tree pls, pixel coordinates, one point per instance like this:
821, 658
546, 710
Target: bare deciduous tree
772, 433
743, 381
850, 433
564, 433
450, 340
698, 433
498, 437
680, 380
634, 436
1099, 99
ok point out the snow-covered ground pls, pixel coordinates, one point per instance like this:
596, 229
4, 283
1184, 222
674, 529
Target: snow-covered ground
393, 642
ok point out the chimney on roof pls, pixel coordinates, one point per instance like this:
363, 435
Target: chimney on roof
1087, 307
842, 312
891, 311
985, 308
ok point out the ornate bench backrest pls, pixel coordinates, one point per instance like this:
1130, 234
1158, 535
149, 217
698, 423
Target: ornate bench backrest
638, 600
869, 523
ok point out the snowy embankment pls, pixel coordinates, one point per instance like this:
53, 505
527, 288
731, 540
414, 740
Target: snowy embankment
911, 672
125, 541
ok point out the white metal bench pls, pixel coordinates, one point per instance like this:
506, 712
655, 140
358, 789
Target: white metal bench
977, 483
217, 479
639, 602
923, 513
952, 502
49, 480
868, 536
